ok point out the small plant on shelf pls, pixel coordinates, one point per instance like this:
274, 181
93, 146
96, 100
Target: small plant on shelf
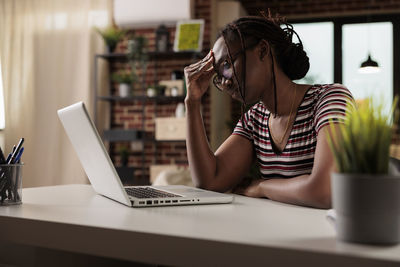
126, 77
125, 80
156, 90
111, 36
137, 56
137, 51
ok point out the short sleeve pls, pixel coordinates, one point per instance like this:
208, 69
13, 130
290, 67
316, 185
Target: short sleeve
332, 105
245, 125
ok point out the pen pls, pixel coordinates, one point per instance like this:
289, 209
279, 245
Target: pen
2, 158
19, 155
2, 161
8, 158
9, 155
15, 152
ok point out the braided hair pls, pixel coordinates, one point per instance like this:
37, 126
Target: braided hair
290, 56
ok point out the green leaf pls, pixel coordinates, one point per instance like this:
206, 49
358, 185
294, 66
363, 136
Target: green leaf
363, 142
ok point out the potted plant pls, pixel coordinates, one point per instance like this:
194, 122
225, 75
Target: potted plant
124, 79
111, 36
156, 90
137, 56
151, 91
365, 196
137, 51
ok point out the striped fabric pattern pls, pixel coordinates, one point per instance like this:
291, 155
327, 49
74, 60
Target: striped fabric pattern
320, 104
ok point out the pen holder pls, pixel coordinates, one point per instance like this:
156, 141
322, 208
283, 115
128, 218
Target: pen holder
10, 184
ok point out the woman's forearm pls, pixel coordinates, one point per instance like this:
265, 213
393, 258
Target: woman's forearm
301, 190
202, 161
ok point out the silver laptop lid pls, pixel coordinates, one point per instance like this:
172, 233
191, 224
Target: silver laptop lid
92, 153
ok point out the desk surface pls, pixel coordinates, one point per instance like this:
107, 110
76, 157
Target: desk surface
74, 218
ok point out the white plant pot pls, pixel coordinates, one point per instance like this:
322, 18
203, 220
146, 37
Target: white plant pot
137, 146
367, 208
151, 92
124, 90
180, 110
174, 91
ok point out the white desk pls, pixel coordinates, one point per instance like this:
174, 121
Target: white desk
250, 231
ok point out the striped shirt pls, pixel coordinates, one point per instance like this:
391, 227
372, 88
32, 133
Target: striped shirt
320, 104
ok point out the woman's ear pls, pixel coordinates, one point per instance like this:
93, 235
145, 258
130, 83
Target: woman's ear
263, 49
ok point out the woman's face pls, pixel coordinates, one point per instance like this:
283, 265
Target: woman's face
226, 70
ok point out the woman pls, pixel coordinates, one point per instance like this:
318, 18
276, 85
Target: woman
255, 60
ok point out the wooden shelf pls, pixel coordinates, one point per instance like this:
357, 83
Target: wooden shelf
158, 99
121, 135
154, 55
117, 135
170, 141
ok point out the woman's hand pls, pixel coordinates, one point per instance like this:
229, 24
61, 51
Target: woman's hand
251, 190
198, 77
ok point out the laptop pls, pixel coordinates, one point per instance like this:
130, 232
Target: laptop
104, 178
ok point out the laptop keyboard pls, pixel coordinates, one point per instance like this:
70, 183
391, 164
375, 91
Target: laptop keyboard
148, 192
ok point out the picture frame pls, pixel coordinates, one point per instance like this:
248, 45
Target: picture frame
189, 35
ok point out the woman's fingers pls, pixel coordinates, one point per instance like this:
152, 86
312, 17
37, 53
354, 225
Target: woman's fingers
210, 69
209, 72
198, 76
205, 67
198, 64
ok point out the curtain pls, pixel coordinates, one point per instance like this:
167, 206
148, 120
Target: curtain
46, 52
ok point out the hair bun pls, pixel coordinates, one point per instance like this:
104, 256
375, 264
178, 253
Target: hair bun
294, 61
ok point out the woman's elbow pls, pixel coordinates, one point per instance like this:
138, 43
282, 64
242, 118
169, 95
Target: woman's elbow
323, 201
208, 185
322, 197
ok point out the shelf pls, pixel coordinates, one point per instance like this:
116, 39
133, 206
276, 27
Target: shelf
121, 135
158, 99
154, 55
169, 141
120, 56
115, 135
153, 140
166, 99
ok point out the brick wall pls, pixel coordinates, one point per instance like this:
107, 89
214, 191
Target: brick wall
307, 8
129, 115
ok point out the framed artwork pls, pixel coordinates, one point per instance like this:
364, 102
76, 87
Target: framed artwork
189, 35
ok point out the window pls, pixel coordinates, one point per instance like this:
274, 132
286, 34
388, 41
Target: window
2, 110
351, 40
359, 40
319, 51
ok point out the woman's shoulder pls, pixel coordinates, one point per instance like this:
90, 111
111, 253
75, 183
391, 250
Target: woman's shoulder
331, 96
330, 90
258, 107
